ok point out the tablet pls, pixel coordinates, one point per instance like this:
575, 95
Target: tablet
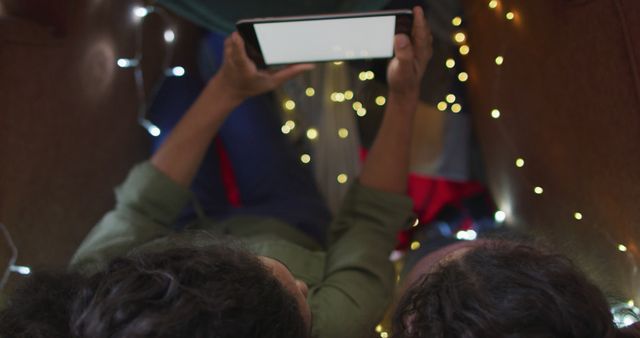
317, 38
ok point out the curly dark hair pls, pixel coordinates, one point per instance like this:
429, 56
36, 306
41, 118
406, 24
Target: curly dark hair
186, 292
504, 289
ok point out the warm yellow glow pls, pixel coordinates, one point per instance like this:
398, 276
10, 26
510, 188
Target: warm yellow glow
538, 190
416, 222
510, 15
442, 106
415, 245
379, 328
361, 111
312, 133
456, 108
622, 247
290, 123
343, 133
463, 77
457, 21
310, 91
285, 129
495, 113
631, 303
499, 60
348, 95
384, 335
342, 178
464, 49
459, 37
289, 104
339, 97
451, 98
305, 158
370, 75
519, 162
493, 4
337, 63
450, 63
356, 105
362, 76
577, 216
381, 100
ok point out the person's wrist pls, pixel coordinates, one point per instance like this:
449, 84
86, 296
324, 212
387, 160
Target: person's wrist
407, 98
224, 94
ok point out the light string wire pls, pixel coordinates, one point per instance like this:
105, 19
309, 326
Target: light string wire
14, 256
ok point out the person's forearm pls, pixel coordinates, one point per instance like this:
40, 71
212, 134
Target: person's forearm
387, 164
181, 154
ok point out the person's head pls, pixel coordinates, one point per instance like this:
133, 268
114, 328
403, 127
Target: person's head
185, 292
503, 289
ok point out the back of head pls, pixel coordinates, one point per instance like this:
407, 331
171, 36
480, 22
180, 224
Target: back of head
504, 289
185, 292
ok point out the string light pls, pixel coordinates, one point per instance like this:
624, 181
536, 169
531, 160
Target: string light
499, 60
343, 133
370, 75
312, 133
151, 128
337, 63
416, 223
519, 162
23, 270
366, 75
500, 216
451, 98
169, 36
442, 106
450, 63
384, 334
342, 178
12, 267
305, 158
493, 4
378, 328
495, 113
310, 92
361, 111
464, 49
538, 190
290, 123
463, 77
348, 95
510, 16
456, 108
141, 12
415, 245
177, 71
337, 97
289, 104
356, 105
457, 21
577, 216
467, 235
285, 129
622, 248
127, 63
460, 37
381, 100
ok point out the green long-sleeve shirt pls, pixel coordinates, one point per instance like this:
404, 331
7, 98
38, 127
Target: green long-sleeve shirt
350, 284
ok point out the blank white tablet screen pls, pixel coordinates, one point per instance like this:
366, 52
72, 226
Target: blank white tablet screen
324, 40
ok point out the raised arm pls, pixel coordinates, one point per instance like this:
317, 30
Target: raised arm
387, 164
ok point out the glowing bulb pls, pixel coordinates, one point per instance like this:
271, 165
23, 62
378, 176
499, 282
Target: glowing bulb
342, 178
370, 75
305, 158
289, 104
176, 71
285, 129
384, 335
510, 15
499, 60
500, 216
362, 76
493, 4
519, 162
127, 63
343, 133
361, 112
379, 328
459, 37
622, 248
630, 303
450, 63
457, 21
442, 106
23, 270
463, 77
356, 105
337, 63
310, 92
415, 245
154, 130
348, 95
538, 190
451, 98
456, 108
495, 113
312, 133
169, 35
416, 223
290, 123
466, 235
381, 100
577, 216
337, 97
140, 12
464, 50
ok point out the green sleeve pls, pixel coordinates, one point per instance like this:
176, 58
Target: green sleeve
147, 204
359, 278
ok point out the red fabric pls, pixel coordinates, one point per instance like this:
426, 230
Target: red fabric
228, 177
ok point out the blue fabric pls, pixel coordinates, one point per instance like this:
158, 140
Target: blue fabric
271, 180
